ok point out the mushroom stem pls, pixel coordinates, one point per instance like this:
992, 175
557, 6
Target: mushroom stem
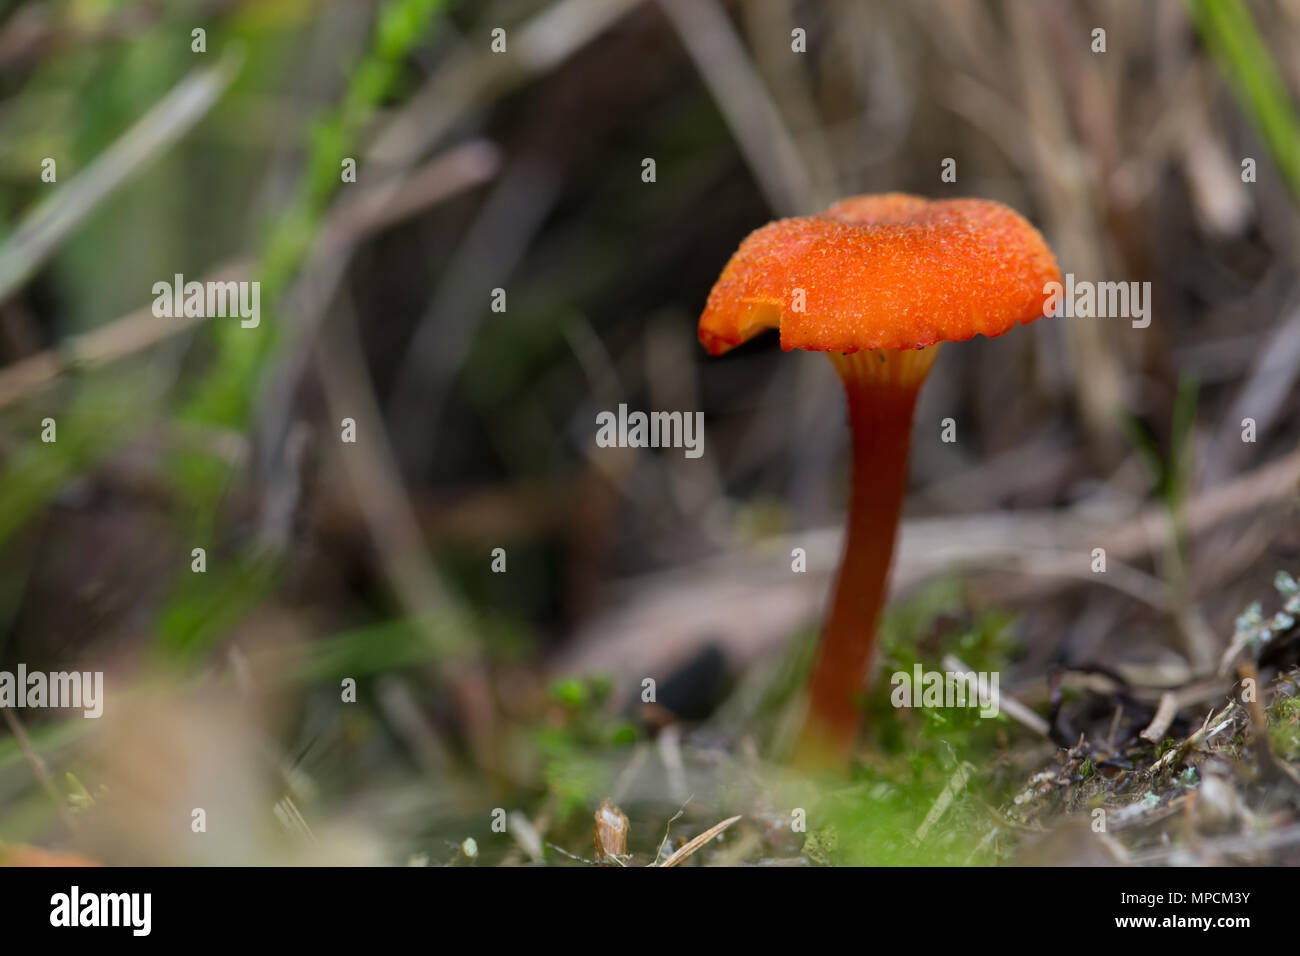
881, 387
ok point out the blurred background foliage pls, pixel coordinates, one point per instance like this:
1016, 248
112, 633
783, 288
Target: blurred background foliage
523, 170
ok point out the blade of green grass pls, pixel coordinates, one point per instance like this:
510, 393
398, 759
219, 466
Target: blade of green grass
41, 233
1234, 40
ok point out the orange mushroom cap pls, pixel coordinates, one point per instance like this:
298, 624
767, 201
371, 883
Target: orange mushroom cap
882, 272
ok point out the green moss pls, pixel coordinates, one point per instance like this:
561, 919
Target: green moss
1284, 727
820, 846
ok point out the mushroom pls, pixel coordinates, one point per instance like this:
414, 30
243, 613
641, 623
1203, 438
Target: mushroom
878, 283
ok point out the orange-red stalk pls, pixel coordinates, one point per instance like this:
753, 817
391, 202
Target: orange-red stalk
881, 388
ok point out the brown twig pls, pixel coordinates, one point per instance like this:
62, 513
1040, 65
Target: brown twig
693, 845
1164, 716
128, 335
39, 770
750, 603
